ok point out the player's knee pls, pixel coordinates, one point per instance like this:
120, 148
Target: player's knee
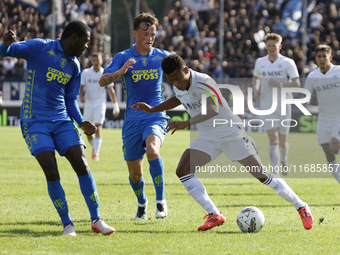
328, 152
282, 144
152, 153
181, 171
82, 169
52, 176
334, 148
136, 177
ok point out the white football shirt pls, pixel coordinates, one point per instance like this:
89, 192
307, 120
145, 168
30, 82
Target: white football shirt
327, 88
281, 70
94, 94
192, 102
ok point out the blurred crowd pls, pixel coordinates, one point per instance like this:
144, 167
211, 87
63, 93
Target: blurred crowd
27, 23
193, 35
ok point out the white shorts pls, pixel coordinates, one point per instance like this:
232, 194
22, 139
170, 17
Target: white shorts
275, 119
95, 113
235, 150
326, 129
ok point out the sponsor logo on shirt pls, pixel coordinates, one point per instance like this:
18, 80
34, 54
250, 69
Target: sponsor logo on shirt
193, 106
272, 73
151, 74
59, 76
157, 58
328, 86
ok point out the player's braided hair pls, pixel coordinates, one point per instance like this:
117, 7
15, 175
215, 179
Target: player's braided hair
75, 27
172, 63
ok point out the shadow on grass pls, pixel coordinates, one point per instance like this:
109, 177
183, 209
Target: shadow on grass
175, 184
20, 230
171, 232
27, 232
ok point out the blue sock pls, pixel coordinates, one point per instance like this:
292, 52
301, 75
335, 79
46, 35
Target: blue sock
157, 174
57, 195
138, 188
89, 190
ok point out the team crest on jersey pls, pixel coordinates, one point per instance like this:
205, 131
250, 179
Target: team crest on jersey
264, 74
34, 138
144, 61
51, 52
63, 62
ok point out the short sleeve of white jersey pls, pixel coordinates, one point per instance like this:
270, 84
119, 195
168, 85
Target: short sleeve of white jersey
292, 70
309, 83
256, 71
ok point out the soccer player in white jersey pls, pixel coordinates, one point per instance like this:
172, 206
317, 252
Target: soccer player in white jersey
271, 73
325, 82
212, 141
94, 100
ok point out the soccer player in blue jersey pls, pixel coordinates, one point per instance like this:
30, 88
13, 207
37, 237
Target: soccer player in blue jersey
48, 110
142, 76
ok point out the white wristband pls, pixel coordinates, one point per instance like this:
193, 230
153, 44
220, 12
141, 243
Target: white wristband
115, 108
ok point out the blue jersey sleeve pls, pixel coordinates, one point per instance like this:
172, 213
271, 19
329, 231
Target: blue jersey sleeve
26, 50
116, 63
74, 111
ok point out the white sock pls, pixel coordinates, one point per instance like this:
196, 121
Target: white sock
281, 187
197, 190
97, 142
284, 152
335, 170
274, 154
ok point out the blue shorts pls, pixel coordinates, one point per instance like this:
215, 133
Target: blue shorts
43, 136
135, 133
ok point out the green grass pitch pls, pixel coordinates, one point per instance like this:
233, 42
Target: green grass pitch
29, 223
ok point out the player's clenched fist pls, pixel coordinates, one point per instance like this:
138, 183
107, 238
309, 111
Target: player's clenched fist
9, 38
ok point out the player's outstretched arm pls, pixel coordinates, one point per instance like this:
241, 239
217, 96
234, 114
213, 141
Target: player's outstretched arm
108, 78
211, 112
166, 105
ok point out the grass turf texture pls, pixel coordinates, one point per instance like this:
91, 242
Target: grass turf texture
29, 223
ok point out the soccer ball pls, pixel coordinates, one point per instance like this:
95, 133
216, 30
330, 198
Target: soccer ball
250, 219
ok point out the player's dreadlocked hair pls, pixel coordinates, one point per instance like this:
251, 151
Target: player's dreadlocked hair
75, 27
172, 63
